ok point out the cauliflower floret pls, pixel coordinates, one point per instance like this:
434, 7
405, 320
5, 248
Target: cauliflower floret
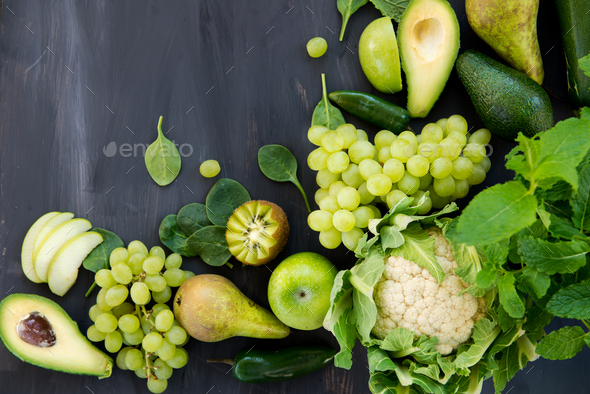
408, 296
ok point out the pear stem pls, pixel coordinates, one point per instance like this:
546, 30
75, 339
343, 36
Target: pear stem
219, 360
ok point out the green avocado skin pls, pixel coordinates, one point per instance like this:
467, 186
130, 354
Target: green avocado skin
506, 100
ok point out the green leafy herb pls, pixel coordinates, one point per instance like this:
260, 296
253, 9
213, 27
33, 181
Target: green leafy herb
562, 344
347, 8
551, 258
581, 201
535, 282
419, 248
279, 165
174, 238
99, 258
192, 217
325, 114
392, 8
572, 302
509, 298
209, 243
162, 159
223, 199
584, 64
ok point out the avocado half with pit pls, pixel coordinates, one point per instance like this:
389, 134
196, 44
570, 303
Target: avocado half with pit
256, 232
38, 331
428, 38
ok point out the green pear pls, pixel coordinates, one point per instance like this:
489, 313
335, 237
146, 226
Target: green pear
211, 308
510, 28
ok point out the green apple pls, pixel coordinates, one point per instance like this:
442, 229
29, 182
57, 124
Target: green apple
26, 255
299, 290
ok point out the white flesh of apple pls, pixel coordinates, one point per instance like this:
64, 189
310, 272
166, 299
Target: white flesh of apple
26, 255
53, 223
54, 241
63, 270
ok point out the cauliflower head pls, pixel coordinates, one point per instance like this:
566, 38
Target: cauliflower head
408, 296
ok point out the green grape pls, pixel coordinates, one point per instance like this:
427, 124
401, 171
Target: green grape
366, 196
329, 204
459, 137
442, 123
167, 350
135, 263
486, 164
137, 247
141, 372
425, 181
343, 220
100, 301
432, 132
134, 359
164, 320
348, 134
189, 274
173, 261
441, 168
408, 136
158, 251
163, 370
320, 220
179, 360
176, 335
362, 215
481, 137
429, 150
174, 277
384, 154
350, 239
94, 312
348, 198
209, 168
156, 309
478, 176
335, 188
319, 194
462, 168
106, 323
384, 138
332, 141
316, 47
146, 325
461, 188
123, 309
409, 184
314, 134
116, 295
153, 264
122, 273
450, 148
337, 162
418, 166
360, 151
369, 167
128, 323
134, 338
379, 184
325, 177
157, 386
104, 279
351, 176
444, 187
330, 239
121, 358
376, 211
166, 294
474, 152
113, 341
361, 135
155, 282
457, 123
394, 197
438, 202
317, 159
119, 256
94, 334
394, 169
402, 150
419, 139
151, 342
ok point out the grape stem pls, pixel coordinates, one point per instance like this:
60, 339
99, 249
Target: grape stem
147, 316
90, 289
148, 365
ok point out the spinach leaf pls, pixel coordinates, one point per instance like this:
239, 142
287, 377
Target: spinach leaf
223, 199
325, 114
99, 257
174, 238
391, 8
279, 164
192, 217
347, 8
162, 159
209, 243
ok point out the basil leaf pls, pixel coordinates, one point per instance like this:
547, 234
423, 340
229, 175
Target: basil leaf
572, 302
551, 258
174, 238
325, 114
347, 8
162, 159
391, 8
223, 199
562, 344
279, 165
509, 297
192, 217
580, 201
99, 257
535, 282
209, 243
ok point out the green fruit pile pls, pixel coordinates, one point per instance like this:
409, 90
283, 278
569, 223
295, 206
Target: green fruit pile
439, 165
152, 337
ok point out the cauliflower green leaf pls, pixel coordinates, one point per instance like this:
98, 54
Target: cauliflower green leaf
418, 247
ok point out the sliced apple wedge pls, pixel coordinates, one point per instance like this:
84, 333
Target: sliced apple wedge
49, 226
54, 241
63, 270
26, 255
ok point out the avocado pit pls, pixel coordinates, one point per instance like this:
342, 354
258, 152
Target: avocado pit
36, 330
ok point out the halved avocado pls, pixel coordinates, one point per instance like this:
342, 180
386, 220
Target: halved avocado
428, 38
38, 331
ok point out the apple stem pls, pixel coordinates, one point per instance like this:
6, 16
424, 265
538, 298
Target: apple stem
90, 290
219, 360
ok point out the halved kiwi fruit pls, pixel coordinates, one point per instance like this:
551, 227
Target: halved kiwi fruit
256, 232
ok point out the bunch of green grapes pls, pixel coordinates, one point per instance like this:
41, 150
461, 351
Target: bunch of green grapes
354, 175
148, 341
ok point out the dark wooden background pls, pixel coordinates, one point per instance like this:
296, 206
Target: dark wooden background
228, 77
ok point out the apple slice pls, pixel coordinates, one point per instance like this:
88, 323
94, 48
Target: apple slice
26, 255
53, 223
54, 241
63, 270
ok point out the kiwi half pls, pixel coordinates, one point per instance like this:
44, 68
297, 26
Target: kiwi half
256, 232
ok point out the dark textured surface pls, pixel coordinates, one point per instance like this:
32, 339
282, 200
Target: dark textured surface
228, 77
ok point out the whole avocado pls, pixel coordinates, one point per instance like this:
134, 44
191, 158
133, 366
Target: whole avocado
506, 100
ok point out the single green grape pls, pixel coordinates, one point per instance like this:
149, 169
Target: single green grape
94, 334
478, 176
100, 301
337, 162
402, 149
123, 309
348, 198
329, 204
134, 338
361, 135
457, 123
409, 184
332, 141
351, 238
461, 188
384, 154
128, 323
165, 295
429, 150
418, 166
135, 262
441, 168
156, 309
442, 123
379, 184
474, 152
316, 47
104, 279
94, 312
335, 188
157, 386
167, 350
361, 150
384, 138
394, 197
155, 282
394, 169
432, 132
163, 370
486, 164
425, 181
153, 265
325, 177
438, 202
176, 335
189, 274
348, 134
137, 247
366, 196
119, 256
343, 220
462, 168
444, 187
320, 220
481, 136
113, 341
179, 360
369, 167
164, 320
174, 277
408, 136
141, 372
116, 295
425, 205
362, 215
319, 194
134, 359
209, 168
330, 239
120, 361
317, 159
314, 134
122, 273
459, 137
351, 176
158, 251
151, 342
106, 323
173, 261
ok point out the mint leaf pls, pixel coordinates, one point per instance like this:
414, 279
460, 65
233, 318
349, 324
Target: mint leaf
537, 318
580, 201
419, 248
560, 191
486, 277
551, 258
509, 297
505, 321
497, 253
562, 344
585, 113
495, 214
524, 164
535, 282
584, 64
391, 8
562, 228
572, 302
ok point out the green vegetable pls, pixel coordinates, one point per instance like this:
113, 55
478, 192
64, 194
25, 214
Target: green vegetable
279, 164
223, 199
391, 8
262, 366
162, 159
99, 257
347, 8
325, 114
562, 344
174, 238
210, 244
192, 217
373, 109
